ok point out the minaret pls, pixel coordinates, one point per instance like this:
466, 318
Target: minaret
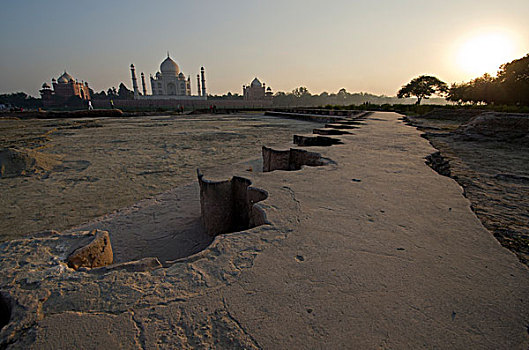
134, 82
143, 84
198, 85
202, 73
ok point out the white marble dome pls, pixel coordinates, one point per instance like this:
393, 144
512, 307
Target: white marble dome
64, 78
169, 67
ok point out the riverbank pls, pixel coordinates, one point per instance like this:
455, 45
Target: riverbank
493, 171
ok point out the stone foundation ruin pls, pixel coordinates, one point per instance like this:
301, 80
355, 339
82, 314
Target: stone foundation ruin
229, 206
292, 159
330, 132
315, 140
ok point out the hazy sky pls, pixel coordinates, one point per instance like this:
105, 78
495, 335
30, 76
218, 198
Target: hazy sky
373, 46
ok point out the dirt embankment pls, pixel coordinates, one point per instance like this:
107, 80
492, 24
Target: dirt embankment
488, 155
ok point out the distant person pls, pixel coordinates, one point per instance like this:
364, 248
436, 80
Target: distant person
112, 104
90, 108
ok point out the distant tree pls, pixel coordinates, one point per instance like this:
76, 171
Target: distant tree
124, 93
423, 87
301, 92
20, 99
99, 95
510, 87
513, 79
480, 90
342, 96
458, 93
112, 92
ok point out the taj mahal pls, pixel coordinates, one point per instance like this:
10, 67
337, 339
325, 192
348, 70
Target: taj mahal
169, 83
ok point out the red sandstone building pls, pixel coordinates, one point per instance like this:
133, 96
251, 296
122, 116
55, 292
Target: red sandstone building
64, 91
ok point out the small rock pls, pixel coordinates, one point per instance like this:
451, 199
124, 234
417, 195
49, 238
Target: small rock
97, 253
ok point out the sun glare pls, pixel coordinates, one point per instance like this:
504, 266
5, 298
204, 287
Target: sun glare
484, 53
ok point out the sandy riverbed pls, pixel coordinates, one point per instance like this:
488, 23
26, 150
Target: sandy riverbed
107, 164
373, 250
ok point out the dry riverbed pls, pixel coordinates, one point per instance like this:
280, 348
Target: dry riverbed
76, 170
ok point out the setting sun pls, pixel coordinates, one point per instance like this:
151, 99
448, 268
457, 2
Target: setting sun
484, 53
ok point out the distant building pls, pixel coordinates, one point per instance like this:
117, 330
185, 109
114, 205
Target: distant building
256, 91
64, 88
168, 83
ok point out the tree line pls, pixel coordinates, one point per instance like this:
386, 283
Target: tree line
300, 96
509, 87
121, 93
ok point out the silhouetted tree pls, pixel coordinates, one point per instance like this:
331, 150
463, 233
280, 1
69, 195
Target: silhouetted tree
301, 92
510, 87
99, 95
513, 79
480, 90
20, 99
112, 92
423, 86
124, 93
342, 96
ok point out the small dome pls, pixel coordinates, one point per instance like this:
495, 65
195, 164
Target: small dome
256, 83
64, 78
169, 67
45, 86
268, 89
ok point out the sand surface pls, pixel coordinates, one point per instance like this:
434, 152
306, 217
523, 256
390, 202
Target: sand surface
108, 164
373, 251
